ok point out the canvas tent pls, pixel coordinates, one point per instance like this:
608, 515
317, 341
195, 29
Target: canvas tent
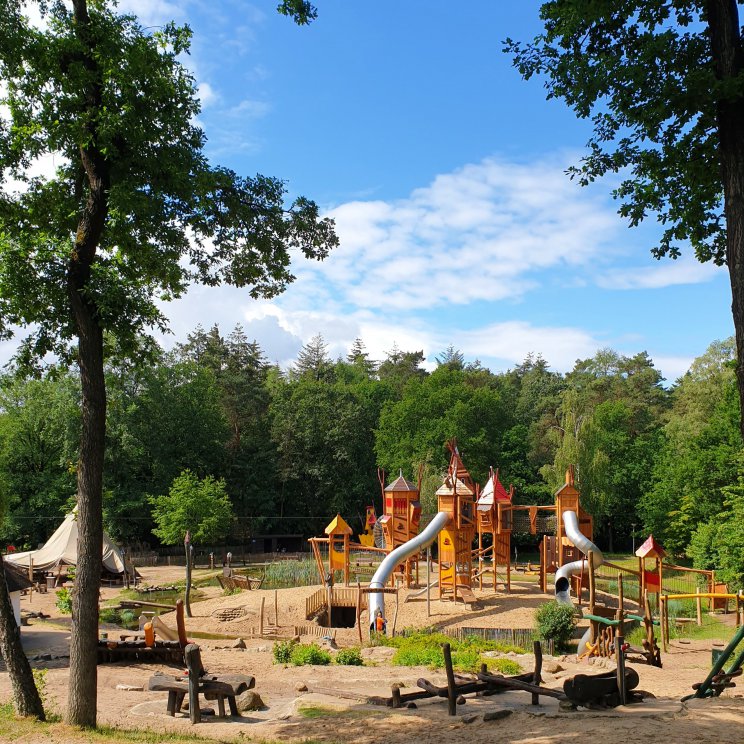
61, 550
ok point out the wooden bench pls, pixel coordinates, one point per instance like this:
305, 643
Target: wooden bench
212, 687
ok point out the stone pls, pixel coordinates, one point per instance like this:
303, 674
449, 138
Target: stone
460, 700
497, 715
301, 687
249, 700
469, 718
130, 688
240, 643
551, 667
411, 705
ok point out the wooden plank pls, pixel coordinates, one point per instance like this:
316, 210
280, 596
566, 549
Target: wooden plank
466, 594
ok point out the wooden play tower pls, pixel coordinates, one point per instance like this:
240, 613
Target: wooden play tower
556, 551
400, 522
494, 514
456, 497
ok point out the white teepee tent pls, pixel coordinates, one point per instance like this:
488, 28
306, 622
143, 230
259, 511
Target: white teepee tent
61, 550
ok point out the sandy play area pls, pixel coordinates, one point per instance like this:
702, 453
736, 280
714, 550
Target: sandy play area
332, 718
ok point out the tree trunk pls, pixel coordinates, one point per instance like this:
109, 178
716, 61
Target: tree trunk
726, 49
81, 709
187, 593
25, 695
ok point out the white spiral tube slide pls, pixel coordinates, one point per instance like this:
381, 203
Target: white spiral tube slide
585, 545
397, 556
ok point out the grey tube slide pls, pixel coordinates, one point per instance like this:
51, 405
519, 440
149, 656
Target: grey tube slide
397, 556
584, 544
562, 583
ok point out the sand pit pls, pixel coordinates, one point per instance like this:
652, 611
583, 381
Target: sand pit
331, 718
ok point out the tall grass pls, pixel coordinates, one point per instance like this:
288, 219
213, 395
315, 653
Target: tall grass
423, 648
287, 574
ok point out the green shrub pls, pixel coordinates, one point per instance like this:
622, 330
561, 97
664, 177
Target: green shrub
505, 666
350, 657
309, 654
282, 651
64, 601
109, 615
555, 621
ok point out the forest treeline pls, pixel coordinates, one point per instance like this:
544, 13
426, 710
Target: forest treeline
295, 447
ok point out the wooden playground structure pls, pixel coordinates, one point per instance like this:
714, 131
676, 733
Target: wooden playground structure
614, 597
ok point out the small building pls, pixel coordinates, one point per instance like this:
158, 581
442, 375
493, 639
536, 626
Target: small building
17, 582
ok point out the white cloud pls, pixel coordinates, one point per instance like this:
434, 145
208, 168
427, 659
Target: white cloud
667, 273
481, 233
250, 109
672, 367
512, 341
154, 12
207, 95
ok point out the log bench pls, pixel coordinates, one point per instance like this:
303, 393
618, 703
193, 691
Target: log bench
213, 687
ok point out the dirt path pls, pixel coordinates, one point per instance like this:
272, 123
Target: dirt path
335, 719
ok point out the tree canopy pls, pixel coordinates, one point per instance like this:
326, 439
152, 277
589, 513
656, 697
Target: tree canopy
133, 214
663, 84
199, 506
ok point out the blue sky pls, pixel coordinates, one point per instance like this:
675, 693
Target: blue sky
445, 173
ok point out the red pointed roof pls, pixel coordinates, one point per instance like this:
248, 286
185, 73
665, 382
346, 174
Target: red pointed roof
650, 549
493, 490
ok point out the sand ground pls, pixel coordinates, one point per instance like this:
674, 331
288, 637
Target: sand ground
348, 720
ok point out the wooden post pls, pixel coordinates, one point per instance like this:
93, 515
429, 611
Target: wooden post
346, 560
261, 618
395, 616
276, 607
662, 627
620, 605
330, 606
641, 582
698, 607
480, 561
181, 624
428, 581
192, 658
396, 696
620, 660
359, 611
537, 649
661, 577
451, 689
592, 586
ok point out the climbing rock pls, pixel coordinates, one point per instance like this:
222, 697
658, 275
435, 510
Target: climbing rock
301, 687
249, 700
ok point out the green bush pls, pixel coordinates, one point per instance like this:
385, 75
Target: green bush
309, 654
505, 666
555, 621
350, 657
109, 615
282, 651
64, 601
